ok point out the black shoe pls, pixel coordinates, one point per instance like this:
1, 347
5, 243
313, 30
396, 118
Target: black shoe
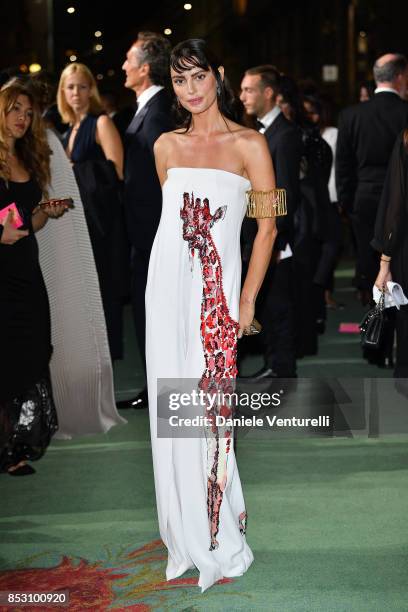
263, 373
23, 470
138, 402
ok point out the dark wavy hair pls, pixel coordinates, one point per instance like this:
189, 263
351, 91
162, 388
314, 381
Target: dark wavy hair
194, 53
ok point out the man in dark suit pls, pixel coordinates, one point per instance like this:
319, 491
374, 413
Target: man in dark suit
146, 67
366, 137
259, 89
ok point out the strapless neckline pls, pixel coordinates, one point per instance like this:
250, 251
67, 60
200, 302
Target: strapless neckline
238, 176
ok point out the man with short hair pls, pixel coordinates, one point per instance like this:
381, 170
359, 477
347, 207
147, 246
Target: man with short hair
259, 89
147, 68
366, 137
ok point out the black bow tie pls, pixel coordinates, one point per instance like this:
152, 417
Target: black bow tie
259, 125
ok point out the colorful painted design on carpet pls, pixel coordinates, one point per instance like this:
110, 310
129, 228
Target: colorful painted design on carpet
126, 580
219, 339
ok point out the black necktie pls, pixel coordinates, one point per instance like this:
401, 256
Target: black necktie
259, 125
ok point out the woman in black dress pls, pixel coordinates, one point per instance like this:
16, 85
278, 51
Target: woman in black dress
27, 413
95, 149
391, 240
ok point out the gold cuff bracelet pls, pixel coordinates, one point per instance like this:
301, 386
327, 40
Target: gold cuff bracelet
265, 204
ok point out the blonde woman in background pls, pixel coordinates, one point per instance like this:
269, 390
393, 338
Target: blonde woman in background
94, 147
81, 368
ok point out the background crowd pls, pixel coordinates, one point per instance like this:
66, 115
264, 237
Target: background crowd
332, 165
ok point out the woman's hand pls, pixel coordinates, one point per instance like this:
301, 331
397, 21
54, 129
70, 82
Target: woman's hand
10, 234
246, 316
384, 276
54, 209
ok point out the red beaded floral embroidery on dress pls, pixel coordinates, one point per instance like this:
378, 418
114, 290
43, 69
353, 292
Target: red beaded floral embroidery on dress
219, 339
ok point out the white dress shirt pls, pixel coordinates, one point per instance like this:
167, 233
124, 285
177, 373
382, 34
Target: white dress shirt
147, 95
389, 89
329, 134
269, 118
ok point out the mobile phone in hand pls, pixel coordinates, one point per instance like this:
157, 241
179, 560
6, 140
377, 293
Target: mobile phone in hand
68, 202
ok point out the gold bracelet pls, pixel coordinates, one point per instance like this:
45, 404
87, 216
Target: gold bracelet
266, 204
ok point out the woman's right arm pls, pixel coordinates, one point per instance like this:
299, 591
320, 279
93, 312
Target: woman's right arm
161, 154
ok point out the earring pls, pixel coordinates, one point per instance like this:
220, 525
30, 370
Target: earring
218, 89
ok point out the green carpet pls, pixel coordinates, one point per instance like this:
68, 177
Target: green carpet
327, 516
327, 524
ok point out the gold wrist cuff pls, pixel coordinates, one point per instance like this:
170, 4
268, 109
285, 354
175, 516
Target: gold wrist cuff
266, 204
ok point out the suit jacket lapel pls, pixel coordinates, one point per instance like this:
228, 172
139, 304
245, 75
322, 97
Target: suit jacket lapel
275, 125
137, 120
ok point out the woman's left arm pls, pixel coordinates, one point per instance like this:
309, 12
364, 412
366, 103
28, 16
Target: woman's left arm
259, 168
107, 136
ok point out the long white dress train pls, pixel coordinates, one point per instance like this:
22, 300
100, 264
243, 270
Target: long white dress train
81, 367
192, 307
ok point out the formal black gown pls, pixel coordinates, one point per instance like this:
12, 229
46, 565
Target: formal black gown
100, 191
391, 239
27, 413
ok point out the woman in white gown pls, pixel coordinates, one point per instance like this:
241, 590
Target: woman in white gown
195, 312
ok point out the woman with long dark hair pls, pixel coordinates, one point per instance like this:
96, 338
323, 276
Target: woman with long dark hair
27, 412
196, 313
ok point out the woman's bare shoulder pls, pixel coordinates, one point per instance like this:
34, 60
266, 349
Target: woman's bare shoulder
250, 140
103, 121
167, 139
163, 142
246, 134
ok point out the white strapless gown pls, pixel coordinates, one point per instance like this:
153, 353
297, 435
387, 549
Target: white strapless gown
192, 307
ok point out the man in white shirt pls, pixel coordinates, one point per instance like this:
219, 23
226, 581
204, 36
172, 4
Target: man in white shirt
146, 67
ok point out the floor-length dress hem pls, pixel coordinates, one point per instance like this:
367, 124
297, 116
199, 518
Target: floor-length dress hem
192, 306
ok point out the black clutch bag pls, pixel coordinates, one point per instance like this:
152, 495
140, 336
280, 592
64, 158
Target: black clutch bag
372, 326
